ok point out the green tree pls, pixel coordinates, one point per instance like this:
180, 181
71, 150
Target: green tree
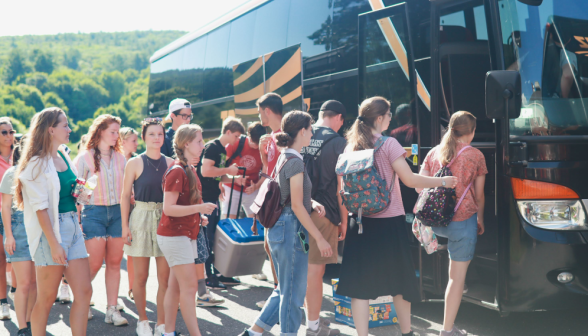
114, 83
71, 58
44, 63
13, 107
52, 99
16, 66
140, 62
80, 129
118, 62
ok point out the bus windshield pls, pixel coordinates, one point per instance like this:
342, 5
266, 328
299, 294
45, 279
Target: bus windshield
548, 45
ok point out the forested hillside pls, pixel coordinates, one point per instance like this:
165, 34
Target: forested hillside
84, 74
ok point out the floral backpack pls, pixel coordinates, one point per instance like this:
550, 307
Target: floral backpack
364, 191
437, 206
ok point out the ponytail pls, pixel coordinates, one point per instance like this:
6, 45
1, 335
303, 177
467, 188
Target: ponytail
461, 123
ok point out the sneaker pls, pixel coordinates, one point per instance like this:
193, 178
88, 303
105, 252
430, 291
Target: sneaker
64, 294
11, 294
322, 330
24, 332
208, 300
159, 330
259, 276
229, 281
322, 321
245, 333
113, 316
5, 312
213, 283
90, 315
454, 332
143, 328
260, 304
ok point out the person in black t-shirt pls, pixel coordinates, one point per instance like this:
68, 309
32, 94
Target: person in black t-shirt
180, 113
320, 159
212, 170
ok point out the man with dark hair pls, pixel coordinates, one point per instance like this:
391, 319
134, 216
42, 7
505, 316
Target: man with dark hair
180, 113
211, 170
320, 159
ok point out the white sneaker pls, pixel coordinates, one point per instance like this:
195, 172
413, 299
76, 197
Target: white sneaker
259, 276
159, 330
208, 300
64, 294
143, 328
113, 316
5, 312
90, 315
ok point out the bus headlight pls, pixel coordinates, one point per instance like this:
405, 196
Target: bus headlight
555, 214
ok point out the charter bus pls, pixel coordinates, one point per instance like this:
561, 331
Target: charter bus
520, 66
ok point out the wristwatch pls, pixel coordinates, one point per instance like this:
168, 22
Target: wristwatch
443, 183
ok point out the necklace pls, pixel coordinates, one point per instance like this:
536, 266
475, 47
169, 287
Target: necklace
149, 161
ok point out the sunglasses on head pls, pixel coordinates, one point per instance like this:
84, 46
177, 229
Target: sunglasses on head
152, 120
305, 245
5, 132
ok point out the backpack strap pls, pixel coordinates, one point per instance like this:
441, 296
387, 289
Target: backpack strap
381, 140
238, 151
458, 154
463, 196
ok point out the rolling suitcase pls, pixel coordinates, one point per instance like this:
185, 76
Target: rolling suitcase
237, 251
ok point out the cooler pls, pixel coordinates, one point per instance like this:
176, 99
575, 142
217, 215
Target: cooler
236, 250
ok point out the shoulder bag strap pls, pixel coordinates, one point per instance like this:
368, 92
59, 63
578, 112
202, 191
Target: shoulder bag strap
469, 185
314, 157
458, 154
237, 151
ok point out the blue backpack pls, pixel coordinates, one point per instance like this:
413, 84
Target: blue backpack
364, 192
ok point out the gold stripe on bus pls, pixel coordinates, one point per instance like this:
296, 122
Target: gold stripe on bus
253, 69
376, 4
423, 92
250, 111
285, 73
250, 95
297, 92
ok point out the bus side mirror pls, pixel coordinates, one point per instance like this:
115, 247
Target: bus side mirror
532, 2
503, 94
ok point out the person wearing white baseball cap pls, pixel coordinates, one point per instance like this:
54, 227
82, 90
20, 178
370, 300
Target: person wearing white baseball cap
180, 113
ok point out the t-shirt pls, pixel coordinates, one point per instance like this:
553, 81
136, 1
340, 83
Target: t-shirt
272, 153
216, 152
7, 182
323, 163
469, 165
249, 158
385, 156
4, 166
176, 180
291, 168
167, 148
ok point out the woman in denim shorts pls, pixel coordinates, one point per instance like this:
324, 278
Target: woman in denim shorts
6, 144
44, 180
468, 222
101, 218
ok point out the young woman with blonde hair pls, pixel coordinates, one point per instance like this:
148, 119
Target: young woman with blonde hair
6, 144
44, 180
468, 222
143, 176
382, 250
183, 211
101, 218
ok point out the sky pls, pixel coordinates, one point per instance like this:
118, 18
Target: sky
48, 17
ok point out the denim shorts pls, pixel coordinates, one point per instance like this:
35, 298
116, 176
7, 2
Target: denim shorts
72, 241
462, 238
1, 225
21, 252
101, 221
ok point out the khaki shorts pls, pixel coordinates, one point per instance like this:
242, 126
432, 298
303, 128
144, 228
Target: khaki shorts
331, 233
180, 250
143, 225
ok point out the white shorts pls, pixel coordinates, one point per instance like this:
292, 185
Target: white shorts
180, 250
246, 202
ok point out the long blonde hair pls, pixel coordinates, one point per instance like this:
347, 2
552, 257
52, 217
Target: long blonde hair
37, 144
360, 135
99, 125
184, 135
461, 123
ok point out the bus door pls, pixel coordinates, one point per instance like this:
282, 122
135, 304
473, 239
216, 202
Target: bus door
387, 68
460, 57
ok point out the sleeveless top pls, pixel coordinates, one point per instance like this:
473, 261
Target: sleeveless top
67, 178
148, 186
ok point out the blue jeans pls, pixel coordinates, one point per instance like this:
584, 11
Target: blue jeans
21, 252
101, 221
72, 241
291, 263
462, 238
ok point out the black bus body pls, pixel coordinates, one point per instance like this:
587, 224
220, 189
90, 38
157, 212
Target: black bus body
431, 59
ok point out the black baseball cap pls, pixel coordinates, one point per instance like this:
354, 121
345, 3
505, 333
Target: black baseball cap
335, 106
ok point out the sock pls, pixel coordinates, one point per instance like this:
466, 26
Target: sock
13, 290
29, 324
3, 301
312, 325
275, 285
201, 287
253, 333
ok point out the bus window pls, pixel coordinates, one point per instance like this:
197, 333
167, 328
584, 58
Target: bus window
217, 76
271, 27
241, 40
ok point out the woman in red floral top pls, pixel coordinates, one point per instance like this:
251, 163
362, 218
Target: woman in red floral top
468, 222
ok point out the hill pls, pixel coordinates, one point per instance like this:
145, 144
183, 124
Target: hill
84, 74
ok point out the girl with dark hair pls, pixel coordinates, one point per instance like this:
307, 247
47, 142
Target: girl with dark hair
288, 239
17, 249
382, 251
101, 218
44, 180
6, 144
144, 174
468, 222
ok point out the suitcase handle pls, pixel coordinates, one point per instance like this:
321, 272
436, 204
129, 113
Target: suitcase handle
244, 169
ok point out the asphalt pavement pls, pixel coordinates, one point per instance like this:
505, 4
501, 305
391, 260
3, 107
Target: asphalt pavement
239, 311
